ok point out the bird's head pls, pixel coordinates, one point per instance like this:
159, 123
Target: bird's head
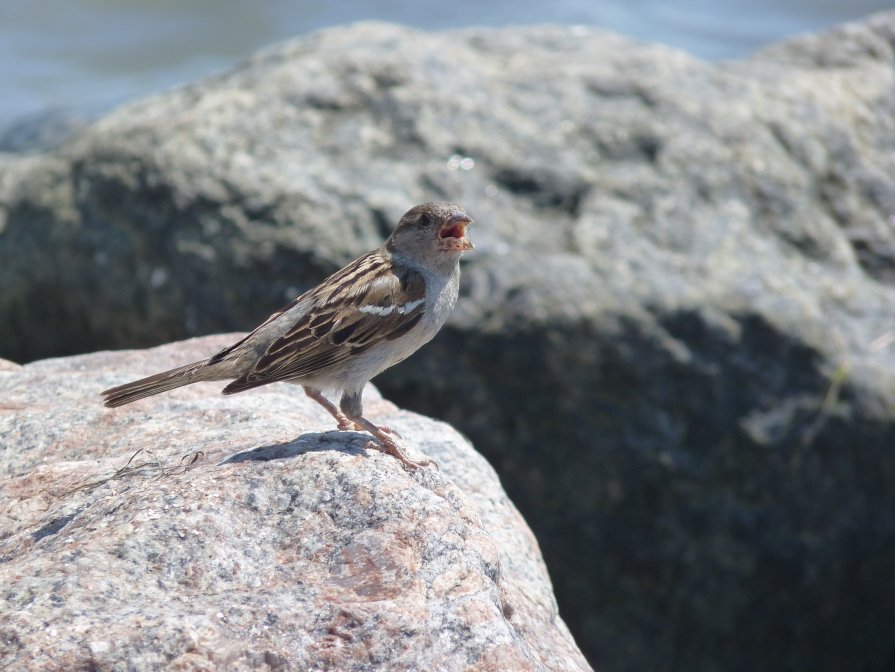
432, 233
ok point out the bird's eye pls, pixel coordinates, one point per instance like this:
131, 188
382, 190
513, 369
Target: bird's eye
425, 220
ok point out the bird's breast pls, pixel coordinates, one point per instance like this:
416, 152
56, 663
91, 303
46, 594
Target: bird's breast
441, 297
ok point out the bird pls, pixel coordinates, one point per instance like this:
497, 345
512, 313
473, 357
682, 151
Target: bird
373, 313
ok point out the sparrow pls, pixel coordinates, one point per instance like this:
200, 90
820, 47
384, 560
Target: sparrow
334, 338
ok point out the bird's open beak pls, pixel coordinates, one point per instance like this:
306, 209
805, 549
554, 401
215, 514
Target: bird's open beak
452, 234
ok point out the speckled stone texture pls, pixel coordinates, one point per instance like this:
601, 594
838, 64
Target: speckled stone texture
192, 531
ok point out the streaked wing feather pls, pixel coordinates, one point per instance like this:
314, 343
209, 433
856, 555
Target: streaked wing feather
366, 303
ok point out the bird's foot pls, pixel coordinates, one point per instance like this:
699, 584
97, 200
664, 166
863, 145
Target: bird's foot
387, 441
391, 448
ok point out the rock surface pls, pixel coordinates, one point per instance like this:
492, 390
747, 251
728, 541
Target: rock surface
676, 339
193, 531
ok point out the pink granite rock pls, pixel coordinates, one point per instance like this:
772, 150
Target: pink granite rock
193, 531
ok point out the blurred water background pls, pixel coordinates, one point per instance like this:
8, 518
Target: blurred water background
84, 56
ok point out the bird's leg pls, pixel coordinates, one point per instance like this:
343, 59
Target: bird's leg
385, 437
317, 395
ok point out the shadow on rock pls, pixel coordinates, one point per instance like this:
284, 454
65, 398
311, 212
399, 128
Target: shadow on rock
351, 443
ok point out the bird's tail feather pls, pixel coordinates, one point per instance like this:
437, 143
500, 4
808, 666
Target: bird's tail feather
160, 382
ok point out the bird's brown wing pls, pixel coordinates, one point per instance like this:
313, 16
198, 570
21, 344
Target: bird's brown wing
368, 302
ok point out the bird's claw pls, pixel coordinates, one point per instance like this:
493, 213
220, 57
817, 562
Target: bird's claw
391, 448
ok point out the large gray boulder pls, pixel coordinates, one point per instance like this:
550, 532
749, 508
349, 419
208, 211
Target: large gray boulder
675, 341
193, 531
